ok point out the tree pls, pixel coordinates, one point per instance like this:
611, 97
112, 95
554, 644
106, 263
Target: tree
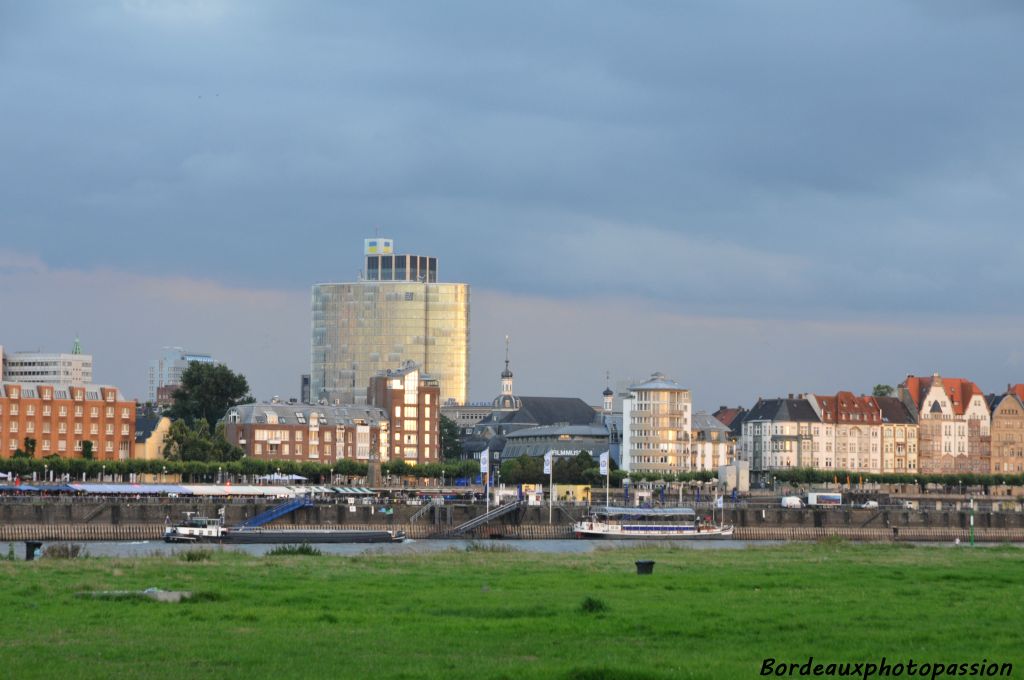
87, 450
207, 391
451, 446
196, 443
883, 391
29, 451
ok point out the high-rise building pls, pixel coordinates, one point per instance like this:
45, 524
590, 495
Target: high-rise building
656, 424
395, 314
54, 369
166, 371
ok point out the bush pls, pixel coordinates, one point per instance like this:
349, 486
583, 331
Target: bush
474, 546
301, 549
64, 551
196, 555
592, 605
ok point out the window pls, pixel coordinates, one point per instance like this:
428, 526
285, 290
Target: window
110, 411
78, 411
94, 412
63, 412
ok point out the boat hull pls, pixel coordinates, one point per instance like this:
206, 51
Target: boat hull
683, 533
292, 536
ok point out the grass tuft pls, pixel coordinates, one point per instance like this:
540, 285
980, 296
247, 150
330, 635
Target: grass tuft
475, 546
197, 555
592, 605
301, 549
65, 551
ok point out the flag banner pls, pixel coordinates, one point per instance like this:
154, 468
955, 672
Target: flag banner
485, 461
719, 501
547, 462
604, 463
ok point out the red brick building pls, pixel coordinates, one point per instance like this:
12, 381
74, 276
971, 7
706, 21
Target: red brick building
411, 400
61, 418
305, 433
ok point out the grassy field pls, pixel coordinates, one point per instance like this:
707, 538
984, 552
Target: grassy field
489, 614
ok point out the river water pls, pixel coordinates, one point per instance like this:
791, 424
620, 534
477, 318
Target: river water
151, 548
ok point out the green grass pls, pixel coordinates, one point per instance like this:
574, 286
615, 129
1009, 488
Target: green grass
481, 614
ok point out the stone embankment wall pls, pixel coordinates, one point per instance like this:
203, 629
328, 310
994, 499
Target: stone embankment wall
81, 519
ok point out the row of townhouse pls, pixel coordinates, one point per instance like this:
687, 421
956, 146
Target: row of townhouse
840, 432
934, 425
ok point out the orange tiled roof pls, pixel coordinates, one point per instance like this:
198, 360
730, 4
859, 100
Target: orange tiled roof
845, 407
958, 390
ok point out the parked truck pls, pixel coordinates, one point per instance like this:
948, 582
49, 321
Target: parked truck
817, 500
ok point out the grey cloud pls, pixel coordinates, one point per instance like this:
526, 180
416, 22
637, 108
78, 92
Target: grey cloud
837, 155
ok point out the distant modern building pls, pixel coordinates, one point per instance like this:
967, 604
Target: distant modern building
72, 368
306, 433
166, 371
656, 422
410, 398
62, 418
304, 392
397, 312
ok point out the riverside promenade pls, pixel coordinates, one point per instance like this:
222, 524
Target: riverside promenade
130, 519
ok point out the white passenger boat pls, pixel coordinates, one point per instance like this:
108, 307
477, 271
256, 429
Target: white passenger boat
660, 524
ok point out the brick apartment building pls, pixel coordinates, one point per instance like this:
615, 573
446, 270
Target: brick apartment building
306, 433
412, 401
61, 418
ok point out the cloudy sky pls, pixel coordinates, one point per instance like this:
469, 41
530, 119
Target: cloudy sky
754, 198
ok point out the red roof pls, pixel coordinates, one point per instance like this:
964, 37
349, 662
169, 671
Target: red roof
845, 407
958, 390
727, 415
1018, 389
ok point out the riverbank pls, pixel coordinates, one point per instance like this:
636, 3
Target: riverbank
154, 532
487, 613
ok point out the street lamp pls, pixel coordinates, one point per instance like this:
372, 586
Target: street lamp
104, 468
46, 472
163, 477
219, 476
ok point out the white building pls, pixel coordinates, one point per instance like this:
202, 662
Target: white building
710, 444
167, 370
785, 433
656, 422
55, 369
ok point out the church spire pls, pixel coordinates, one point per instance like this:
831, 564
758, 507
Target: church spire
506, 375
78, 346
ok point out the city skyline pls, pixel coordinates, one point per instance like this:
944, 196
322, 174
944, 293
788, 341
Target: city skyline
805, 200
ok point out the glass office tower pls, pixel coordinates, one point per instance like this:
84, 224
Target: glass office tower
363, 328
